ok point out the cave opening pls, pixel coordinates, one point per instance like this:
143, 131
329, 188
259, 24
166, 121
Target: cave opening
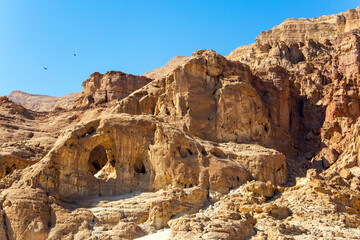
97, 160
139, 166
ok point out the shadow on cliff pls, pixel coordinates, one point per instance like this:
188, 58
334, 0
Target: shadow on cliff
296, 120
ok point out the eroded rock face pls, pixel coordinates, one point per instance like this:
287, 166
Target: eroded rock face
321, 68
202, 134
113, 85
168, 142
296, 40
122, 154
275, 212
202, 98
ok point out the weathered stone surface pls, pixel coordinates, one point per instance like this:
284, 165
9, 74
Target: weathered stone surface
26, 213
194, 149
226, 226
202, 98
27, 136
113, 85
121, 153
275, 213
280, 45
113, 154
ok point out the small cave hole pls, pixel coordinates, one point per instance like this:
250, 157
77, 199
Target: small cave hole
167, 112
113, 163
237, 178
190, 152
204, 152
266, 128
97, 160
139, 167
7, 171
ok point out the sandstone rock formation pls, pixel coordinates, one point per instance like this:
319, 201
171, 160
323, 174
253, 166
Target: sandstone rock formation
261, 144
113, 85
169, 67
201, 97
42, 103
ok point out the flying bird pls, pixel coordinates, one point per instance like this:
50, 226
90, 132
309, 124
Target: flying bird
74, 55
45, 68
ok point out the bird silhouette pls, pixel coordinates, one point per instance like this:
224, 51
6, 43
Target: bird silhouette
74, 55
45, 68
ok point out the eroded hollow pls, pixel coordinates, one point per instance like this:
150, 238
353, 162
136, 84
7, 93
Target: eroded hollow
97, 160
139, 166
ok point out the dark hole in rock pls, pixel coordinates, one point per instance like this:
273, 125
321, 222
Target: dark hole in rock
190, 152
237, 178
7, 171
139, 167
266, 128
204, 152
97, 159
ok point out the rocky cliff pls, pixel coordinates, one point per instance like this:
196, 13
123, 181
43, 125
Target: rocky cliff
113, 85
261, 144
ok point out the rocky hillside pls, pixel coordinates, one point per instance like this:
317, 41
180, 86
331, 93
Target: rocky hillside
261, 144
169, 67
109, 87
42, 103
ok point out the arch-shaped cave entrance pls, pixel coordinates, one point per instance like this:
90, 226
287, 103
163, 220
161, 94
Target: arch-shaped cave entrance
98, 159
101, 163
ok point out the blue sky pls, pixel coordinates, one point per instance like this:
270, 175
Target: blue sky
133, 36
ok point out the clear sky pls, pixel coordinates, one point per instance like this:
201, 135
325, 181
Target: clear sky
133, 36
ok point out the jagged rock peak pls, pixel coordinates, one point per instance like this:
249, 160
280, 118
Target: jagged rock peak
113, 85
320, 29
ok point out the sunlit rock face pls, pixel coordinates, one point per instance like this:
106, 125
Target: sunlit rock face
209, 97
111, 86
122, 154
262, 144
